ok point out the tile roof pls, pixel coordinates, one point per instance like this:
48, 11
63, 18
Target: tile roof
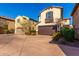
33, 20
9, 19
51, 7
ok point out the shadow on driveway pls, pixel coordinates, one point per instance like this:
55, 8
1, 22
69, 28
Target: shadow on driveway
71, 49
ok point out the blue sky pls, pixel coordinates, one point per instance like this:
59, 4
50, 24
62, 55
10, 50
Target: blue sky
32, 10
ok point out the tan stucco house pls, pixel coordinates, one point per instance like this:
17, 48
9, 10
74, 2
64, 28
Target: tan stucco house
75, 15
22, 22
16, 26
7, 23
66, 23
48, 20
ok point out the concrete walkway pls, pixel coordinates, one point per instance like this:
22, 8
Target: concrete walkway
16, 45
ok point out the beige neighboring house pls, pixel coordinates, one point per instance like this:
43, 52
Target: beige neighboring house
66, 23
29, 23
11, 24
48, 20
8, 22
75, 15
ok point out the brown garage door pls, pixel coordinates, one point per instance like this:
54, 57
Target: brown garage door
46, 30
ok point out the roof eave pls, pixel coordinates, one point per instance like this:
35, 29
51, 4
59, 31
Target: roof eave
51, 7
74, 9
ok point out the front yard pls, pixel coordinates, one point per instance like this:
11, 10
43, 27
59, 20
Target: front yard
66, 40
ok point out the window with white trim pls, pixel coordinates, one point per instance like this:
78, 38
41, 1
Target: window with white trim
49, 15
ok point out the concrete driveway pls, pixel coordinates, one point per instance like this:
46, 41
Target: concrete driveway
17, 45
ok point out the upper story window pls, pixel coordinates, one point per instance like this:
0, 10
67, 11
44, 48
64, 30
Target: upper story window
49, 15
18, 20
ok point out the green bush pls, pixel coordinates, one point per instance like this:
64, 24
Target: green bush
67, 33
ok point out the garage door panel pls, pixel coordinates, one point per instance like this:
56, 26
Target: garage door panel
45, 30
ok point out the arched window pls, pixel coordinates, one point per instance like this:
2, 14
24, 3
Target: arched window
49, 15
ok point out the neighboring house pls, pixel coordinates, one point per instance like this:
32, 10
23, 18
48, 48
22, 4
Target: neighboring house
66, 22
22, 22
48, 20
75, 15
6, 23
11, 24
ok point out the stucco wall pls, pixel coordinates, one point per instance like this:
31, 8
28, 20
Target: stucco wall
11, 25
76, 22
56, 15
2, 22
6, 23
33, 24
18, 25
21, 20
75, 17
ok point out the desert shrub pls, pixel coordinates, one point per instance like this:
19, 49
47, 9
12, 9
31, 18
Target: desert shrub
5, 31
56, 36
27, 32
33, 32
10, 31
